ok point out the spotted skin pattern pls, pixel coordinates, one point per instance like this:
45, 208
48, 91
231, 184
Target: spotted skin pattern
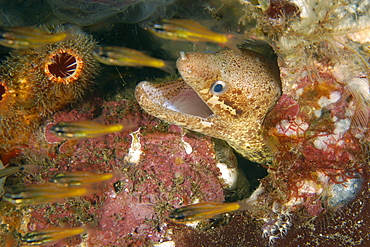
239, 90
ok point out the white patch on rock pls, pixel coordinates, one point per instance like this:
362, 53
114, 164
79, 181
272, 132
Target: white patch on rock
308, 187
165, 244
229, 175
134, 152
324, 139
317, 113
299, 91
342, 126
334, 97
295, 127
188, 148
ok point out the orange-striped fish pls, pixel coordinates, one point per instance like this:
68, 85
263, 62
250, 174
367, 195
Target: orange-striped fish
189, 30
80, 178
51, 235
203, 210
28, 37
10, 170
85, 129
121, 56
42, 193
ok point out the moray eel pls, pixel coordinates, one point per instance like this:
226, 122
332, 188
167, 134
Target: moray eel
225, 95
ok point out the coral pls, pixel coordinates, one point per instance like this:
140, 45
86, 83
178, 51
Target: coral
37, 82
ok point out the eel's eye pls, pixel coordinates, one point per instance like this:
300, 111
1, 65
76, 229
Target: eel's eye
218, 88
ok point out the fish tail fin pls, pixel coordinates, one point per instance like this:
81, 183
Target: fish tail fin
169, 67
72, 32
131, 122
358, 88
203, 210
233, 40
32, 169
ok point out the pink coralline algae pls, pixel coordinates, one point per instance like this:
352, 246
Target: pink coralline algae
132, 208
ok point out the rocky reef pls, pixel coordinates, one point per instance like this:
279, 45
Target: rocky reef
158, 167
316, 191
317, 132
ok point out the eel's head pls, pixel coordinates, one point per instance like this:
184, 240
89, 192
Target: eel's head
225, 95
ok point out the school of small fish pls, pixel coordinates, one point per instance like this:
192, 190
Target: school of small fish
212, 82
75, 184
59, 188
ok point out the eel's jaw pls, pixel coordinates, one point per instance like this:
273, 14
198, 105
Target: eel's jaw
174, 102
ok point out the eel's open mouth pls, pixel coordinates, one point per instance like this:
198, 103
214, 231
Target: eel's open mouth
176, 96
